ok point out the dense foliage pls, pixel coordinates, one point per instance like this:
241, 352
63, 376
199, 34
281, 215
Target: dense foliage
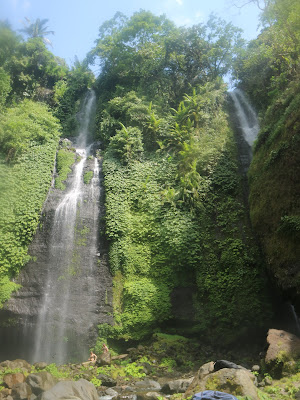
269, 71
175, 216
29, 137
34, 85
150, 55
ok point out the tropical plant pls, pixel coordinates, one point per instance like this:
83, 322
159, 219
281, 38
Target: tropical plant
37, 29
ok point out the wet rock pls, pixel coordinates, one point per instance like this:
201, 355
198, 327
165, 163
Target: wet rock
111, 392
148, 384
40, 382
21, 391
153, 396
127, 397
12, 379
177, 386
107, 380
63, 390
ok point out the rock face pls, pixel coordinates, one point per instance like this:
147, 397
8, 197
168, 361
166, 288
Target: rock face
18, 319
238, 382
80, 390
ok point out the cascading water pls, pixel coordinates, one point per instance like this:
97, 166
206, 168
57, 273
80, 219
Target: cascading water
246, 115
60, 315
66, 291
248, 126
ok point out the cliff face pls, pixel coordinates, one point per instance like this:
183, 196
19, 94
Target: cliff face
274, 179
19, 318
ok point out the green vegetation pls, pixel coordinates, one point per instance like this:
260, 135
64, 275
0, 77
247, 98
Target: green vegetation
87, 177
29, 137
175, 216
65, 158
34, 84
274, 173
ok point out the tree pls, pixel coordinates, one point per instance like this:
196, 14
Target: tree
37, 29
271, 61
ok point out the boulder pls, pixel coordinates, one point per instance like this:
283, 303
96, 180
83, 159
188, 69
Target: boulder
283, 350
4, 393
40, 382
40, 365
21, 391
22, 364
111, 392
148, 384
238, 382
104, 359
177, 386
283, 346
203, 371
107, 380
153, 396
80, 390
12, 379
219, 364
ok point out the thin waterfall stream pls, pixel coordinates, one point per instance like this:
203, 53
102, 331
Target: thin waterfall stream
66, 292
247, 127
60, 319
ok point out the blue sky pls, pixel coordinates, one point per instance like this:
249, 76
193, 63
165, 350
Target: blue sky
76, 22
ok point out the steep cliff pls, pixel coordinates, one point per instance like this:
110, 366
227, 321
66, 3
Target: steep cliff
274, 179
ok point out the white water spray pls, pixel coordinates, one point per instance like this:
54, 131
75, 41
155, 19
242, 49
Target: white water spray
67, 311
246, 116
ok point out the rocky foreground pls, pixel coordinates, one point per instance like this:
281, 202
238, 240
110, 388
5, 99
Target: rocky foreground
145, 373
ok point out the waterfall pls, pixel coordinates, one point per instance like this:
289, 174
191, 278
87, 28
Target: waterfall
246, 116
66, 288
247, 126
64, 318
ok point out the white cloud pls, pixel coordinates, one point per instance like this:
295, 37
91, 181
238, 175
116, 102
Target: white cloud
180, 2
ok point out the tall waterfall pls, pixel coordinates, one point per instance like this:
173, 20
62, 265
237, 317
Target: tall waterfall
248, 126
61, 317
66, 288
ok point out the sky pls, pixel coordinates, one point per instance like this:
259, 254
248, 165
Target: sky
76, 22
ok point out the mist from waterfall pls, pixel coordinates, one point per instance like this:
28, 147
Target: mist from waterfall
64, 319
247, 117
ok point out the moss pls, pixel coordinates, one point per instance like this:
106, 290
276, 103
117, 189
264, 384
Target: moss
64, 160
88, 177
275, 185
